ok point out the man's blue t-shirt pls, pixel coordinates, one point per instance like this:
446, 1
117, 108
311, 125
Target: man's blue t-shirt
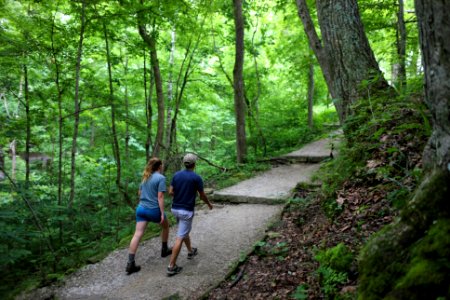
149, 190
185, 185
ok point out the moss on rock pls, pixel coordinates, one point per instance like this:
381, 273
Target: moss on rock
408, 259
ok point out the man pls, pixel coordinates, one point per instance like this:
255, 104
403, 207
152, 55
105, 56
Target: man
184, 188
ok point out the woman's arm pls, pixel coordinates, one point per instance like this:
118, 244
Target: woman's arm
161, 205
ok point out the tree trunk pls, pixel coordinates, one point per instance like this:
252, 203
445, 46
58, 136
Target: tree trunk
170, 95
348, 49
254, 103
115, 142
182, 80
77, 105
409, 258
5, 104
345, 56
60, 126
150, 40
127, 127
13, 149
148, 109
434, 35
28, 126
2, 163
310, 93
238, 83
315, 44
399, 69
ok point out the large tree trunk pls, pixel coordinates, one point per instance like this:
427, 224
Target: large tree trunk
409, 259
345, 56
238, 83
77, 105
435, 43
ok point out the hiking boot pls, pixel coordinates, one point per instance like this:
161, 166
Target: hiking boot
192, 253
174, 270
166, 252
132, 268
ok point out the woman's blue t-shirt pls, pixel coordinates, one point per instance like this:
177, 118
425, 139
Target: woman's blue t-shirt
149, 190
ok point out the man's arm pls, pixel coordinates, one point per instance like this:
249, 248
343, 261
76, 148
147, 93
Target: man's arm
171, 190
205, 199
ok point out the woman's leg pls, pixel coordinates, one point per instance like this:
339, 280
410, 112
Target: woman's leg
140, 229
165, 231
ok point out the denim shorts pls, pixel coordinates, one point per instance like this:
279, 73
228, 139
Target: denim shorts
184, 221
148, 214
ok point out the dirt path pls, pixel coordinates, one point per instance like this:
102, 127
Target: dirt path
222, 236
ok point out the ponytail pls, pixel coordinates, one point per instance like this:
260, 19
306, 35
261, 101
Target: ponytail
152, 166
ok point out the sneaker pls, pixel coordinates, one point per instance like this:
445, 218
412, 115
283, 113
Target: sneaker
174, 270
192, 253
166, 252
132, 268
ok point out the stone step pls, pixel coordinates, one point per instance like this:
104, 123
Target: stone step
271, 187
314, 152
277, 185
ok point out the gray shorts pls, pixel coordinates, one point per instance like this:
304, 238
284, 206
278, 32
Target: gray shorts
184, 221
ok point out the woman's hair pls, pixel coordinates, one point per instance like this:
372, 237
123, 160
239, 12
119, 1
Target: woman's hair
152, 166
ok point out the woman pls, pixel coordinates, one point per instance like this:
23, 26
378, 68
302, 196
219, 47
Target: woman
150, 209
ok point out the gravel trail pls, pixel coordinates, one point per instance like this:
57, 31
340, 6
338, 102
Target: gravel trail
222, 236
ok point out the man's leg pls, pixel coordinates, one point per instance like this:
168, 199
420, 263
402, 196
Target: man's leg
187, 242
175, 251
191, 250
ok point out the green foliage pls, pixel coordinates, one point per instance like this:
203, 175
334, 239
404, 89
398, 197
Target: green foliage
330, 281
334, 173
301, 292
279, 250
338, 258
334, 265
